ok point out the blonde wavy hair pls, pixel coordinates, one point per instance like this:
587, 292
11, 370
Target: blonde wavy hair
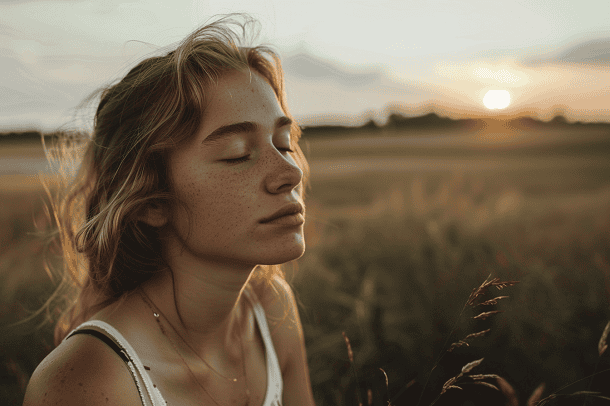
157, 107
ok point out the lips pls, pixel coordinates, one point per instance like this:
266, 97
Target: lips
289, 209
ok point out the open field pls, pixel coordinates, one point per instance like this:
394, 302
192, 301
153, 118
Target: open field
399, 232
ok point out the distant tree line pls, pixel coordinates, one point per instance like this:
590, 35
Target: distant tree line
25, 136
395, 122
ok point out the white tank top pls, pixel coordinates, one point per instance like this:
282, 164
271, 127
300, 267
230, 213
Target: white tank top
149, 394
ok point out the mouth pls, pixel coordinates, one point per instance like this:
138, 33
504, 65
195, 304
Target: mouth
292, 210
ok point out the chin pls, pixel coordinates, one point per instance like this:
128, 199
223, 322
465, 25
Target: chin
281, 256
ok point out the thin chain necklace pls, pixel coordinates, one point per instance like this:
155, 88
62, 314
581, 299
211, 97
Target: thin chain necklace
157, 313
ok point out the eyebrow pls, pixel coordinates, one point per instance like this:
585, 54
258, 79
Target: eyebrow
242, 127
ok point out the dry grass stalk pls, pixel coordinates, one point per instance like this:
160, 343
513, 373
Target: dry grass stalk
508, 391
489, 385
485, 315
450, 385
602, 346
350, 353
502, 285
536, 395
452, 382
483, 376
457, 345
469, 367
387, 385
386, 378
481, 290
465, 369
534, 400
493, 301
479, 334
462, 342
577, 396
505, 388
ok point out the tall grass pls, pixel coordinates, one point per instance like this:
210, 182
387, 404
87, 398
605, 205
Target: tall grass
391, 277
24, 287
394, 274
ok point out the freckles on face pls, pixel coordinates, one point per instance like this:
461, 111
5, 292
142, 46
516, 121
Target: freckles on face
219, 207
225, 201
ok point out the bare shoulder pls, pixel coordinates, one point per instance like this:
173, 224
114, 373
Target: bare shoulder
82, 371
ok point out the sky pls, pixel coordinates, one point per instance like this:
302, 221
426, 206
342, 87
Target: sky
346, 61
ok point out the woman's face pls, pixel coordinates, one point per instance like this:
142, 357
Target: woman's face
231, 178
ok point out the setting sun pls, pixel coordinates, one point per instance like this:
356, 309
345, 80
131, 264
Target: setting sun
496, 99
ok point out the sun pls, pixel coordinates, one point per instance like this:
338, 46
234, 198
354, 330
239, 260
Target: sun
496, 99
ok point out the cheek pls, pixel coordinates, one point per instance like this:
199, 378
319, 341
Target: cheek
218, 202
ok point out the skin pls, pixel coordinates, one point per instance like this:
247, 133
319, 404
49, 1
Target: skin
213, 252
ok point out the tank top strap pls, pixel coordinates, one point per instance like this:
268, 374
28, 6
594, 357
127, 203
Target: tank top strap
275, 383
149, 394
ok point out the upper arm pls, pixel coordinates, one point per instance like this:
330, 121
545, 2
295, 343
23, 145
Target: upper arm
82, 371
288, 337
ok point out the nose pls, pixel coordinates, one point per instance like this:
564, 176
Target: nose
284, 174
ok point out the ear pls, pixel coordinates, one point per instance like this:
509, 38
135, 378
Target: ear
153, 215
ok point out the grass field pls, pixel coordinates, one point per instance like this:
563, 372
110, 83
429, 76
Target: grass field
399, 233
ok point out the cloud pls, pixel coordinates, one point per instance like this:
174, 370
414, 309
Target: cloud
323, 92
307, 66
593, 52
31, 95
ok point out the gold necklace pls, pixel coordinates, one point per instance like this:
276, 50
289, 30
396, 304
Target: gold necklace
157, 313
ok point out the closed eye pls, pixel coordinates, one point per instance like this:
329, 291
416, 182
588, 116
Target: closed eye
238, 160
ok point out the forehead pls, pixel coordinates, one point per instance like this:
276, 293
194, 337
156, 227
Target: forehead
240, 96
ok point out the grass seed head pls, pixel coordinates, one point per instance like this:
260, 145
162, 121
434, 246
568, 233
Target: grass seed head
457, 345
483, 376
502, 285
479, 334
481, 290
485, 315
450, 382
468, 367
493, 301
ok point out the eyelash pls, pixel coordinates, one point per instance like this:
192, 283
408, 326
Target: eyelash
247, 157
238, 160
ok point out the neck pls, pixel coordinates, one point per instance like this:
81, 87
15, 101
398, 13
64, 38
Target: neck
203, 304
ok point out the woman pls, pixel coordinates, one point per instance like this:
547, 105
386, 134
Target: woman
192, 190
